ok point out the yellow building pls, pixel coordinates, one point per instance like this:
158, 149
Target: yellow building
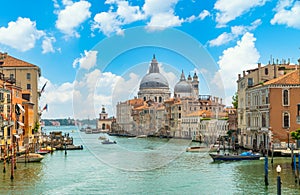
25, 75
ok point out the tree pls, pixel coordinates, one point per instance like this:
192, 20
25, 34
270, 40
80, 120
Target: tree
235, 100
296, 136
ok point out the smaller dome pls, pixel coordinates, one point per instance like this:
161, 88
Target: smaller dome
183, 87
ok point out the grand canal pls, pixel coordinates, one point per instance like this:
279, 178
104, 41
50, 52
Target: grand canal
133, 167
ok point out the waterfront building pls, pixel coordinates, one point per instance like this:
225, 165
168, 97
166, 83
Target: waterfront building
273, 105
250, 78
26, 76
124, 120
104, 122
156, 113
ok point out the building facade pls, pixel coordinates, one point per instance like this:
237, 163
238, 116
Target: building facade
248, 136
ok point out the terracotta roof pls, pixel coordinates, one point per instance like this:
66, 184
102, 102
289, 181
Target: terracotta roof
290, 78
200, 113
9, 61
136, 102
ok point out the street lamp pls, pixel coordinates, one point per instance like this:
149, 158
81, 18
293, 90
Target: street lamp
278, 170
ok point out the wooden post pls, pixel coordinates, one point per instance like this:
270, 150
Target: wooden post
266, 171
272, 153
4, 159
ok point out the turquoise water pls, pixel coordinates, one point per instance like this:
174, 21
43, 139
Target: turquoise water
141, 166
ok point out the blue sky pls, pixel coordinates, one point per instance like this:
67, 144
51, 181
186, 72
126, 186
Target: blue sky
71, 40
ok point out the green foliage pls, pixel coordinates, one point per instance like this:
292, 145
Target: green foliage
235, 100
296, 134
36, 127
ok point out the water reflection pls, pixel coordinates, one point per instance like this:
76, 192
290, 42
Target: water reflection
25, 177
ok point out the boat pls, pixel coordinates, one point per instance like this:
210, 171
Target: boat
42, 152
31, 157
231, 157
108, 142
48, 148
212, 148
141, 136
102, 138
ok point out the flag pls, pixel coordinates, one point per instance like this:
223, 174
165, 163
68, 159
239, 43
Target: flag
45, 108
43, 88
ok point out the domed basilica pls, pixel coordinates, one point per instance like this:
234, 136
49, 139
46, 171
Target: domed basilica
154, 86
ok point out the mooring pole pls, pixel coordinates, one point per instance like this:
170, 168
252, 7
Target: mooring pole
266, 171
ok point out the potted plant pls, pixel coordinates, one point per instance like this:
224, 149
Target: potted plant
296, 136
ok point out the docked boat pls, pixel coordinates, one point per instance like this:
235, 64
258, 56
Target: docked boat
31, 157
141, 136
108, 142
212, 148
42, 152
230, 157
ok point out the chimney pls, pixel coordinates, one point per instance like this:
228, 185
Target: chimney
259, 65
244, 73
239, 76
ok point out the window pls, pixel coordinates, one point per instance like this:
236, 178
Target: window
160, 99
266, 71
179, 107
28, 86
285, 97
11, 76
250, 81
298, 110
28, 76
179, 115
286, 120
144, 98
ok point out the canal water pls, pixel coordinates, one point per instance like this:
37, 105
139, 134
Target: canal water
141, 166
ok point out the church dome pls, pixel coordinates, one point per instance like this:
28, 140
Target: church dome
154, 80
183, 87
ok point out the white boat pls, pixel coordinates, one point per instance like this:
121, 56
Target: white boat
141, 136
31, 157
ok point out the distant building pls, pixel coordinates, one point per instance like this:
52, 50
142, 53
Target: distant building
154, 86
104, 122
154, 112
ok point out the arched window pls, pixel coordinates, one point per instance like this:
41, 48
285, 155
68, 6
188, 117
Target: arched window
285, 97
286, 120
160, 99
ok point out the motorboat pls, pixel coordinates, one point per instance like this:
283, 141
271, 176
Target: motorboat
231, 157
108, 142
31, 157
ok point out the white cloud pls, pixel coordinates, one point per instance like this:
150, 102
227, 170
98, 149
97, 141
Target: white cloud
236, 31
287, 13
21, 34
164, 20
86, 61
204, 14
47, 45
72, 16
162, 14
107, 23
234, 60
157, 14
111, 22
228, 10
